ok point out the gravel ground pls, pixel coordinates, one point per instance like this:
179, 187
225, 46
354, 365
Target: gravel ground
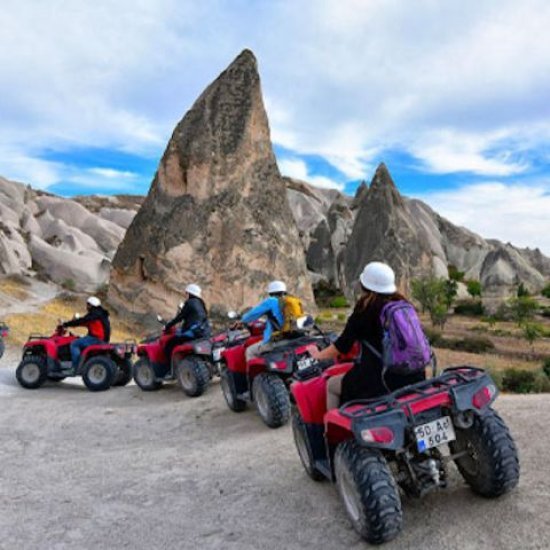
127, 469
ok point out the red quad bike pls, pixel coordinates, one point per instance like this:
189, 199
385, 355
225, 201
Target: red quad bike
49, 358
194, 364
4, 331
405, 440
265, 379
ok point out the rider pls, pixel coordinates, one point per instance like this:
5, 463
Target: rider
364, 379
270, 307
97, 322
193, 316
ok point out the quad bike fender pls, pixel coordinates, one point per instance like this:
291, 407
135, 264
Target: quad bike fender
255, 367
235, 359
311, 399
153, 352
41, 347
97, 349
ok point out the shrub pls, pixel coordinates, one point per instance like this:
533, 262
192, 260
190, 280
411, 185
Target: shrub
338, 301
471, 307
69, 284
542, 382
546, 291
532, 332
455, 274
545, 311
342, 317
477, 344
432, 335
546, 366
474, 288
522, 291
519, 381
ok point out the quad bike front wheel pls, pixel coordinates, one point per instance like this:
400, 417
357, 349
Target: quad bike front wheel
124, 373
32, 372
272, 400
303, 446
230, 393
368, 491
144, 375
98, 373
489, 458
2, 347
193, 376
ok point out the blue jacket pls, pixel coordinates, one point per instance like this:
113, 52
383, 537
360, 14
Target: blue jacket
270, 307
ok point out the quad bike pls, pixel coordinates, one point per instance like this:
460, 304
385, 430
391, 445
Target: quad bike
49, 358
4, 331
264, 380
193, 364
403, 441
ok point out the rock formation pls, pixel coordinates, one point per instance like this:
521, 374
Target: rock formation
385, 230
217, 211
58, 238
416, 241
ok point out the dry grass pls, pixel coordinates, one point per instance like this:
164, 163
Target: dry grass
13, 288
44, 321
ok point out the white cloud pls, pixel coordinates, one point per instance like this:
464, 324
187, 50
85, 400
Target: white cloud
344, 79
297, 169
518, 213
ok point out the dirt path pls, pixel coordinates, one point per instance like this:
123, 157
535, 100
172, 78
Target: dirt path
127, 469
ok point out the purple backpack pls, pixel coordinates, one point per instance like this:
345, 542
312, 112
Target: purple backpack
405, 348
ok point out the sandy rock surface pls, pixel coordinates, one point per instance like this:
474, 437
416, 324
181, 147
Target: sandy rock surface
127, 469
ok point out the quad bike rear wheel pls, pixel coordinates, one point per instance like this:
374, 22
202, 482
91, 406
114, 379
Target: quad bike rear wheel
144, 375
193, 376
272, 400
490, 464
98, 373
123, 373
32, 372
303, 446
230, 393
368, 491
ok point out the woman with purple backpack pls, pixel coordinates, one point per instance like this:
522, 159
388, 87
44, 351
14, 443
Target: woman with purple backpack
394, 349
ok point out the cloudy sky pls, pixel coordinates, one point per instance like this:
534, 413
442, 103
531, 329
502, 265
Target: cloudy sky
454, 96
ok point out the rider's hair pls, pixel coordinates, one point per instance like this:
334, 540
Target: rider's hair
369, 297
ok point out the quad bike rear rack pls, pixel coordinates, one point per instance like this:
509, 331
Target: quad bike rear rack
449, 379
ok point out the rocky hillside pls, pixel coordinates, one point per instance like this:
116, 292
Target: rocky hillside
217, 212
61, 239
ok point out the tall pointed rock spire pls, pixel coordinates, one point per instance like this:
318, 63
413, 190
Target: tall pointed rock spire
217, 212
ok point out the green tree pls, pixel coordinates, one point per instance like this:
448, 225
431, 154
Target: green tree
450, 290
474, 288
522, 309
532, 332
546, 291
433, 295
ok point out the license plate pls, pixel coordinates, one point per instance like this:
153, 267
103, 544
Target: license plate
217, 354
434, 433
305, 363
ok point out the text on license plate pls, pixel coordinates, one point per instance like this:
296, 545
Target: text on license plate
434, 433
305, 362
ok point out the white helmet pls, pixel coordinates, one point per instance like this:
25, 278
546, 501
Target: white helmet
276, 286
93, 301
194, 290
378, 277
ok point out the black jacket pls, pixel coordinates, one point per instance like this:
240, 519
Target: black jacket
364, 380
96, 321
193, 315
